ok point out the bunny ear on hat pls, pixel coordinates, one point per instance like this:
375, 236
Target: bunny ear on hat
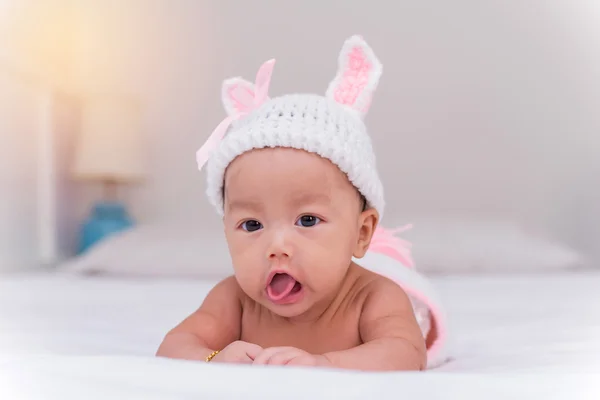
357, 76
239, 97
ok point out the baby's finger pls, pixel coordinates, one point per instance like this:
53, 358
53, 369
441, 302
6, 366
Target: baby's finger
302, 360
283, 357
244, 359
252, 350
266, 354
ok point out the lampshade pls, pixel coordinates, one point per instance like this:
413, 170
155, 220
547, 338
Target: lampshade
110, 144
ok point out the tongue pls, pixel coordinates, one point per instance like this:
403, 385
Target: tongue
281, 285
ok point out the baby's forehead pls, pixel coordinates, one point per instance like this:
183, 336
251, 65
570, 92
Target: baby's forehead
283, 160
276, 167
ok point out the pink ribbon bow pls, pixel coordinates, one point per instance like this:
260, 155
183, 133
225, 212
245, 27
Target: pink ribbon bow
261, 90
384, 242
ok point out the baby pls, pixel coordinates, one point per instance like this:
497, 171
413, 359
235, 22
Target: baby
296, 184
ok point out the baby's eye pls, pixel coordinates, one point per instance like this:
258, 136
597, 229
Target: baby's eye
308, 221
251, 225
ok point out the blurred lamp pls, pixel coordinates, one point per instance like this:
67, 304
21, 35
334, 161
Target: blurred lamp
108, 152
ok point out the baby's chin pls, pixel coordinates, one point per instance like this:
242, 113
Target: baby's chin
289, 311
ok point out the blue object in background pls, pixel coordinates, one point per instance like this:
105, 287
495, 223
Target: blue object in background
106, 219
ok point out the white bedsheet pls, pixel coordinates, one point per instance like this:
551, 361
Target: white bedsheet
514, 335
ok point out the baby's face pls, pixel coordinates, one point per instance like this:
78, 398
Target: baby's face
293, 221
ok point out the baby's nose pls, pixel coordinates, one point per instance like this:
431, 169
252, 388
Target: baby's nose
280, 246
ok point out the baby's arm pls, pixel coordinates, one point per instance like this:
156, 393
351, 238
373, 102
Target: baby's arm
391, 335
216, 324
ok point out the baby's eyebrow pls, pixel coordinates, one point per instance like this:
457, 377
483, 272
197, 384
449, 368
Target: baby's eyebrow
304, 198
245, 205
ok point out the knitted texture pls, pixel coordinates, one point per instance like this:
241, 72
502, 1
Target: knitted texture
305, 122
331, 126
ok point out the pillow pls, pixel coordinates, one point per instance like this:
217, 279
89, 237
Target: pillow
157, 251
440, 246
453, 245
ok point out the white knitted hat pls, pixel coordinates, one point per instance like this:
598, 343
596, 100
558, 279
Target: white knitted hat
331, 126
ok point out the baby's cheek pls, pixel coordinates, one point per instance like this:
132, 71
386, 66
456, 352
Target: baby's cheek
250, 280
244, 262
247, 267
330, 266
241, 248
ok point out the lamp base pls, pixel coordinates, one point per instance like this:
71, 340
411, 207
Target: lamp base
107, 218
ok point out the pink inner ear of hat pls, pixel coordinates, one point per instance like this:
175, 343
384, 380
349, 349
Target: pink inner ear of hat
241, 97
354, 78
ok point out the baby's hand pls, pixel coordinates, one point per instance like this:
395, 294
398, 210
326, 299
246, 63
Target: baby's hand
289, 356
238, 352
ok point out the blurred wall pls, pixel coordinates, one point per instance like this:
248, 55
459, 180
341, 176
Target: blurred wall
18, 175
485, 109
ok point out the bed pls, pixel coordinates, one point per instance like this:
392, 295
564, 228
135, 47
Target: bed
515, 336
70, 333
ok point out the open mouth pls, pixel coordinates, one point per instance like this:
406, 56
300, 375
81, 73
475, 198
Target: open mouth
283, 288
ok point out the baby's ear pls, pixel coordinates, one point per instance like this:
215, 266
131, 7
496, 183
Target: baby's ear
237, 95
357, 77
368, 222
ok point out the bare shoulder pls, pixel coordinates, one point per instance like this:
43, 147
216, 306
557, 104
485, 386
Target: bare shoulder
218, 319
377, 288
386, 309
384, 288
225, 299
227, 289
